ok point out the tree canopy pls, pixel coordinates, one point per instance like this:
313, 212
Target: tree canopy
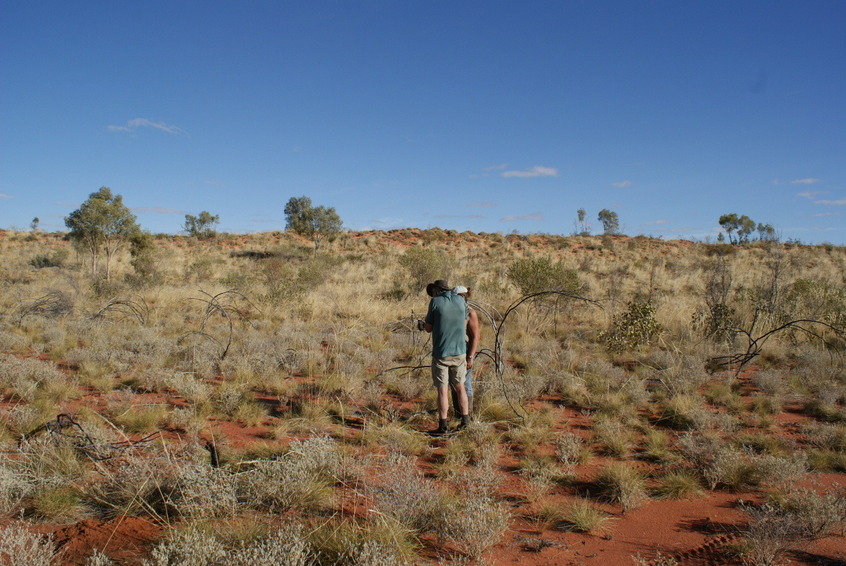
314, 223
101, 224
201, 226
610, 221
739, 228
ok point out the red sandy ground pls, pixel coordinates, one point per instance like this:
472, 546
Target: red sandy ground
697, 532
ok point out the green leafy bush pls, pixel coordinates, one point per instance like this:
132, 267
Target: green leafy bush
634, 327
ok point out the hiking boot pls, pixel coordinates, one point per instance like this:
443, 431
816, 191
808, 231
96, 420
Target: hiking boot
465, 422
443, 428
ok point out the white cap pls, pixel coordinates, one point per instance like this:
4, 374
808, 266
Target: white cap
459, 290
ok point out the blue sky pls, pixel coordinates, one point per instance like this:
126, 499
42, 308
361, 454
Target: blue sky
487, 116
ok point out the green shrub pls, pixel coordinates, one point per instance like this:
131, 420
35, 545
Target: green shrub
538, 274
425, 265
634, 327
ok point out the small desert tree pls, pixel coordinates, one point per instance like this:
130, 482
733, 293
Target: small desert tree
582, 227
610, 221
315, 223
742, 226
201, 226
102, 224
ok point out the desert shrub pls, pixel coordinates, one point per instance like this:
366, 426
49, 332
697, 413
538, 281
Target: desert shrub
14, 487
374, 553
621, 483
658, 447
191, 546
190, 387
476, 524
301, 479
55, 259
582, 516
803, 517
678, 484
537, 274
204, 491
816, 299
540, 474
20, 547
98, 558
395, 437
58, 503
613, 437
288, 546
24, 378
680, 375
825, 435
424, 265
739, 469
13, 342
699, 449
480, 479
142, 484
570, 450
48, 461
403, 494
634, 327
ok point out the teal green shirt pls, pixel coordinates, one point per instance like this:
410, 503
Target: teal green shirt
448, 316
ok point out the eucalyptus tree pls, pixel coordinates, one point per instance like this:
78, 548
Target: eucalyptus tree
101, 225
314, 223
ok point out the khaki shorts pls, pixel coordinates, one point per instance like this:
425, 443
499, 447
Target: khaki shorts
449, 370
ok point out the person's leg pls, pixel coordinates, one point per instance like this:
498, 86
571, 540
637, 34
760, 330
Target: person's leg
457, 375
455, 401
443, 403
468, 387
440, 379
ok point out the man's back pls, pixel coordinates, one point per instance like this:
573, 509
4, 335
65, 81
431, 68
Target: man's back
447, 315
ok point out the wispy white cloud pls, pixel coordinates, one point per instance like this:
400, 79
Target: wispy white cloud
658, 222
156, 210
482, 205
536, 171
471, 216
5, 196
839, 202
823, 214
622, 184
808, 181
136, 123
810, 195
535, 216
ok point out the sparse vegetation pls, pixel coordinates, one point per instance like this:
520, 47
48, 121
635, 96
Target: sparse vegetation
267, 404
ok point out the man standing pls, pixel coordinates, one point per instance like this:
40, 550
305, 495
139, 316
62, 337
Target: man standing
472, 339
446, 320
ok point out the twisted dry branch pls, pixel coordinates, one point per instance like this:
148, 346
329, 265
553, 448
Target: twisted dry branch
756, 345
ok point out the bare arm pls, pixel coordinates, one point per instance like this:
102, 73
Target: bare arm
473, 333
